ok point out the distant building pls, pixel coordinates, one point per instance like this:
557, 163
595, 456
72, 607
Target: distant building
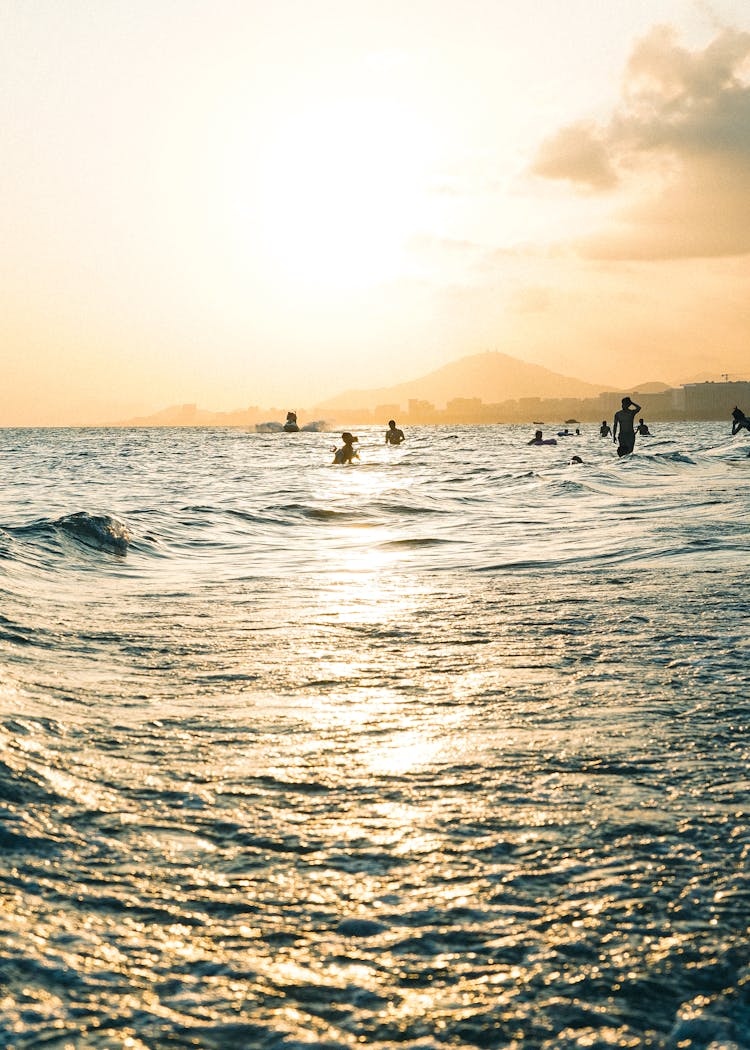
464, 410
421, 411
664, 404
386, 412
530, 405
715, 400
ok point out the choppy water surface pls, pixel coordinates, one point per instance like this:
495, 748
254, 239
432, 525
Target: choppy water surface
446, 749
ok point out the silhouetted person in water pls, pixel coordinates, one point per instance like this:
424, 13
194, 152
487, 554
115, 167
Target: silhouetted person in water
739, 421
393, 436
642, 428
539, 440
347, 452
623, 425
605, 429
291, 422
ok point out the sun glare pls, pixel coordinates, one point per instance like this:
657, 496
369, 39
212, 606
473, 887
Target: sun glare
342, 190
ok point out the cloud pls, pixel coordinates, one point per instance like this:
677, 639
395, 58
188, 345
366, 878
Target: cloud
695, 103
682, 130
701, 213
578, 153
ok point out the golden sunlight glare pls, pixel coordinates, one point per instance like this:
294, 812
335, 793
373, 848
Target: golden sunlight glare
342, 190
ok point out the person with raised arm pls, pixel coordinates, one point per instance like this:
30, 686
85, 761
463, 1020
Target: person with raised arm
623, 427
739, 421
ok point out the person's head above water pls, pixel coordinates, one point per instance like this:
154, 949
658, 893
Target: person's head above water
537, 433
347, 438
626, 401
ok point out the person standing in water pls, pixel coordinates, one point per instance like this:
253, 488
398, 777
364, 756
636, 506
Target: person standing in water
605, 429
623, 425
739, 421
393, 436
347, 452
642, 428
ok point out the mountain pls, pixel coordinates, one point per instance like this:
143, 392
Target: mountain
493, 377
651, 387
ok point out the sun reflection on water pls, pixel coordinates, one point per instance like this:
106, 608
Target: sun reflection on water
405, 751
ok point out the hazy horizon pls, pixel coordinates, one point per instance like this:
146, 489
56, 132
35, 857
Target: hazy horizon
247, 204
370, 398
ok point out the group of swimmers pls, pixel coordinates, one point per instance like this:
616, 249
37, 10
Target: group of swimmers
623, 433
348, 453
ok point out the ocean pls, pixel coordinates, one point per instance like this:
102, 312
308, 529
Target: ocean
447, 748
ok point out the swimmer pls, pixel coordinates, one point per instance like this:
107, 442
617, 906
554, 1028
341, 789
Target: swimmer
393, 436
739, 421
576, 459
624, 424
642, 428
538, 439
605, 429
347, 452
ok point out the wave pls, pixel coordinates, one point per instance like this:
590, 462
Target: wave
96, 531
646, 555
319, 513
424, 541
401, 510
674, 457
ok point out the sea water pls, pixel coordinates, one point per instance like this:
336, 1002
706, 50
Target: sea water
447, 748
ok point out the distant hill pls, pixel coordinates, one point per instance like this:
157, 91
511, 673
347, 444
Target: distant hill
491, 376
174, 416
651, 388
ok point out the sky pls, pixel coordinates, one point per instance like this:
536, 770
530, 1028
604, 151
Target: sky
266, 203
